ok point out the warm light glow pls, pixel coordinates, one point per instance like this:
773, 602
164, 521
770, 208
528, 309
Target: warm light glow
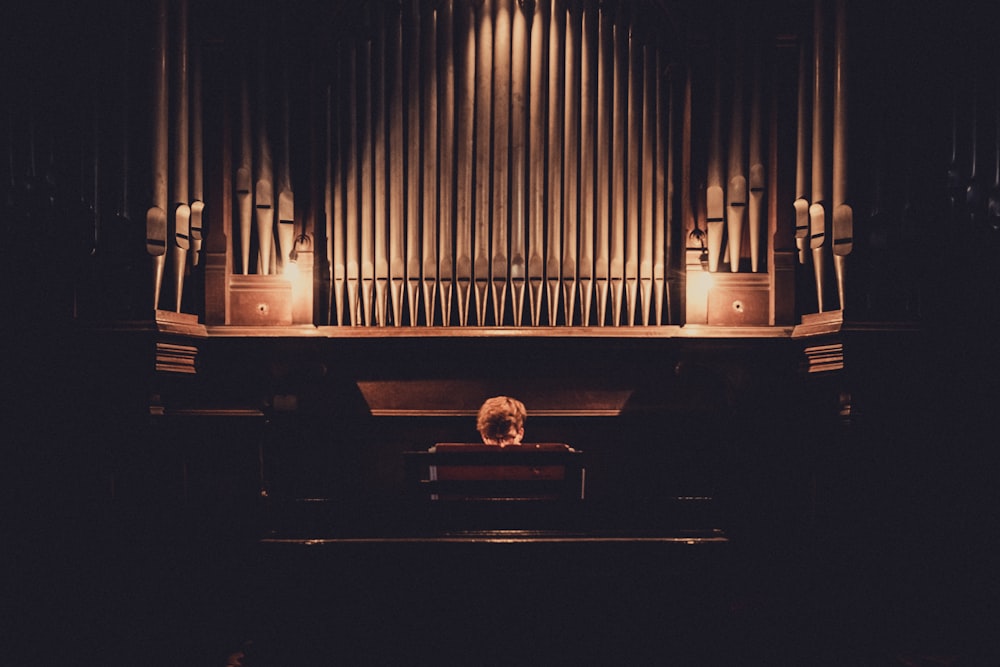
299, 278
698, 285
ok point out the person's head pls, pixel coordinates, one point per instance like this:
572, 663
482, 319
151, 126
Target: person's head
501, 421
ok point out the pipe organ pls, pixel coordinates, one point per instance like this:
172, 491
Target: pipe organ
490, 168
507, 163
741, 260
511, 218
627, 204
510, 163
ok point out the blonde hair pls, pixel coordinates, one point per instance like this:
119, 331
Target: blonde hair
497, 415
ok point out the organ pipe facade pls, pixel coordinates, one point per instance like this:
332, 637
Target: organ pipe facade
511, 163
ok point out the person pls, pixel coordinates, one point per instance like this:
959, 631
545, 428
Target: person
501, 421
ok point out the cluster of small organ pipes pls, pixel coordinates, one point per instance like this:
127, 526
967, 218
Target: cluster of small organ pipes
174, 218
495, 163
